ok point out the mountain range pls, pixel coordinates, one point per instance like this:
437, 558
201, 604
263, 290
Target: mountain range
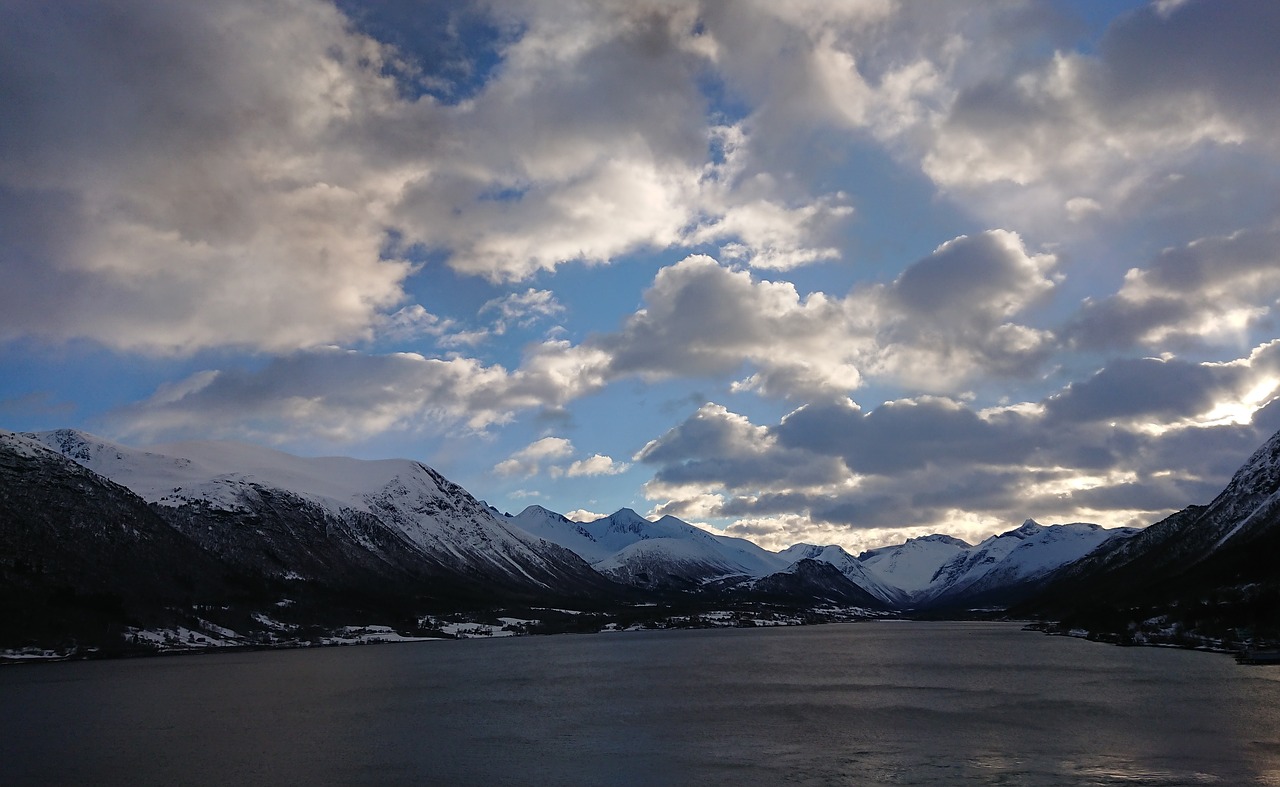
103, 545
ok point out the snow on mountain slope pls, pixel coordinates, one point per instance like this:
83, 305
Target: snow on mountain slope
1226, 544
654, 562
558, 529
911, 566
625, 527
1249, 503
210, 470
1004, 561
850, 567
635, 550
438, 517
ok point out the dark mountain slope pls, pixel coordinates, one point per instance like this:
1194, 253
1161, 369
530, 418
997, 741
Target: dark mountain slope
1205, 573
81, 558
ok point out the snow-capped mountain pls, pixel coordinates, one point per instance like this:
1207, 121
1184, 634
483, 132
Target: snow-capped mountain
671, 554
667, 553
559, 529
75, 548
818, 581
321, 516
625, 528
101, 533
853, 569
940, 570
912, 565
1206, 571
1003, 566
923, 572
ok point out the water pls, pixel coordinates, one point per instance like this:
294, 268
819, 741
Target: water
865, 704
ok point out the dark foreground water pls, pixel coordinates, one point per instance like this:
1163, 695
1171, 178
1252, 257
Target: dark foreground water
876, 703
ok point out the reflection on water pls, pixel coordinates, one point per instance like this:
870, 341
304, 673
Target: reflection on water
907, 703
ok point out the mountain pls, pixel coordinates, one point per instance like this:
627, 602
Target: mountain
558, 529
819, 582
672, 555
227, 541
911, 566
82, 558
1006, 567
941, 572
852, 569
382, 527
932, 572
1205, 574
664, 554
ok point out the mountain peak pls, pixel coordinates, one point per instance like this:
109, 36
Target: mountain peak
626, 516
939, 538
1028, 528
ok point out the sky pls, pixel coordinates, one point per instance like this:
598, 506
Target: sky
837, 272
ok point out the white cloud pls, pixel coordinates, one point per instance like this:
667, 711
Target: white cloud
170, 187
522, 309
947, 318
583, 515
413, 321
528, 461
1119, 124
596, 464
249, 189
227, 173
1081, 208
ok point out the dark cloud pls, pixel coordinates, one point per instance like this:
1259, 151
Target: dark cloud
986, 269
715, 444
905, 435
342, 396
1222, 51
1150, 494
1143, 387
1114, 322
1208, 292
1089, 448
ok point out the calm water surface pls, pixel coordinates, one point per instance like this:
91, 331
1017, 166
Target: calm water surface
864, 704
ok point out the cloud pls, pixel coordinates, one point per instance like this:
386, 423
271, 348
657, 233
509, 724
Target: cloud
413, 321
945, 319
1211, 291
231, 174
343, 396
528, 461
621, 156
522, 309
596, 464
1148, 388
583, 515
1115, 129
1126, 446
167, 186
715, 443
700, 319
550, 453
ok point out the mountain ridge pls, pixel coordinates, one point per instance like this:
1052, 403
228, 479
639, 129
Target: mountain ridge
257, 531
